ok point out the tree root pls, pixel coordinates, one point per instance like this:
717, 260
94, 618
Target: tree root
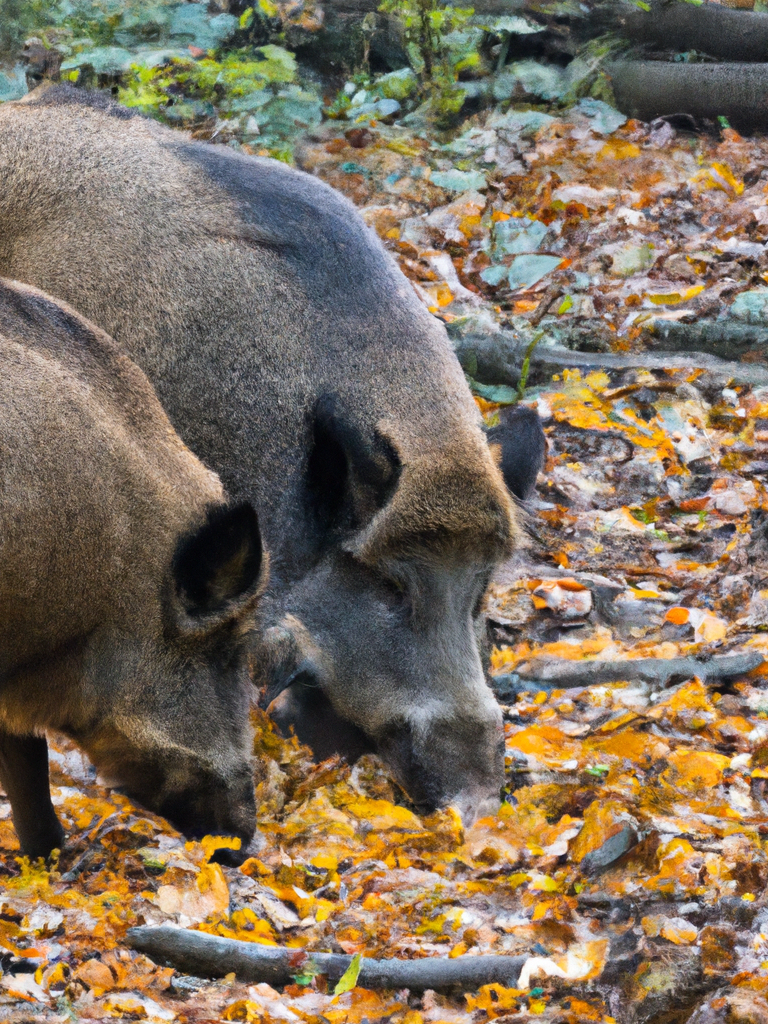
497, 357
711, 29
650, 89
210, 956
561, 674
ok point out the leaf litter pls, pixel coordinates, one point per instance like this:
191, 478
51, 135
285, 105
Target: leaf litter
629, 860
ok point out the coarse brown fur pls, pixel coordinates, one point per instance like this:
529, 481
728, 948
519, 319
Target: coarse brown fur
295, 359
103, 634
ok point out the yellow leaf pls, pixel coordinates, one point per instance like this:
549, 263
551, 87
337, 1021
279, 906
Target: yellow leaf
381, 815
494, 999
673, 298
211, 844
719, 176
619, 149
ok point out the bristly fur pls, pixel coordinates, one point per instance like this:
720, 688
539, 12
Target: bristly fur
69, 95
276, 329
96, 490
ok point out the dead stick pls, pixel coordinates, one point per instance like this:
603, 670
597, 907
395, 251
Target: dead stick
209, 956
496, 358
565, 674
724, 339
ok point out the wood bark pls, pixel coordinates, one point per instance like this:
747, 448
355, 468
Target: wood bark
209, 956
712, 29
497, 358
722, 338
548, 674
651, 89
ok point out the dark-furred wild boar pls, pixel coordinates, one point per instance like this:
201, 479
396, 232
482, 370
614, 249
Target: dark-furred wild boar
127, 586
294, 358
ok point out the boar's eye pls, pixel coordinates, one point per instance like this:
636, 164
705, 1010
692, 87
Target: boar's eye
394, 594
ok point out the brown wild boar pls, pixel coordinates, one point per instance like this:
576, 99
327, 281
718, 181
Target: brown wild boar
294, 358
127, 586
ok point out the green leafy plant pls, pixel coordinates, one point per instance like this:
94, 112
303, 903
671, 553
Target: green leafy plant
426, 24
254, 92
428, 28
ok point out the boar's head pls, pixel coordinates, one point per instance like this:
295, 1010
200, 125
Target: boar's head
377, 649
174, 733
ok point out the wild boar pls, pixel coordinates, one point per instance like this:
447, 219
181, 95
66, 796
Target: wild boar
294, 358
127, 587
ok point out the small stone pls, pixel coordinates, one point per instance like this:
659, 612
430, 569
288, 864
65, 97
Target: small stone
634, 259
730, 503
398, 85
459, 181
609, 832
751, 307
674, 929
611, 850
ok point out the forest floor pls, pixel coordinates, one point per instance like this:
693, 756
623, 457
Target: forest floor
630, 860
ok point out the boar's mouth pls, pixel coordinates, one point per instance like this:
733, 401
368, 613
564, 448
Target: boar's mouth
301, 705
195, 798
303, 708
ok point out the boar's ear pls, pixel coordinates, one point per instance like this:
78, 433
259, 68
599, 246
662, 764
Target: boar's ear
349, 477
523, 447
217, 571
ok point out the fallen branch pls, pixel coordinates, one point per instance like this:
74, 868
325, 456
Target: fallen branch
650, 89
562, 674
497, 357
726, 339
711, 29
360, 8
209, 956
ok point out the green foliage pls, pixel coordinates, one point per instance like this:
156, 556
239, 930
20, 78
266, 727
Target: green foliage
85, 31
254, 91
436, 44
20, 19
167, 58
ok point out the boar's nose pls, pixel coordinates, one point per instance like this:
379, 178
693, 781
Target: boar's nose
222, 808
472, 804
449, 762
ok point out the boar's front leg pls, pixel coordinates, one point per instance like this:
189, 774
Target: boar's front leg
24, 776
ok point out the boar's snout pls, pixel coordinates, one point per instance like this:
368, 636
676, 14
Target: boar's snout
457, 761
223, 808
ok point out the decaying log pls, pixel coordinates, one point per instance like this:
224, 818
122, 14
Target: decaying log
209, 956
726, 339
651, 89
497, 357
362, 7
710, 29
562, 674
